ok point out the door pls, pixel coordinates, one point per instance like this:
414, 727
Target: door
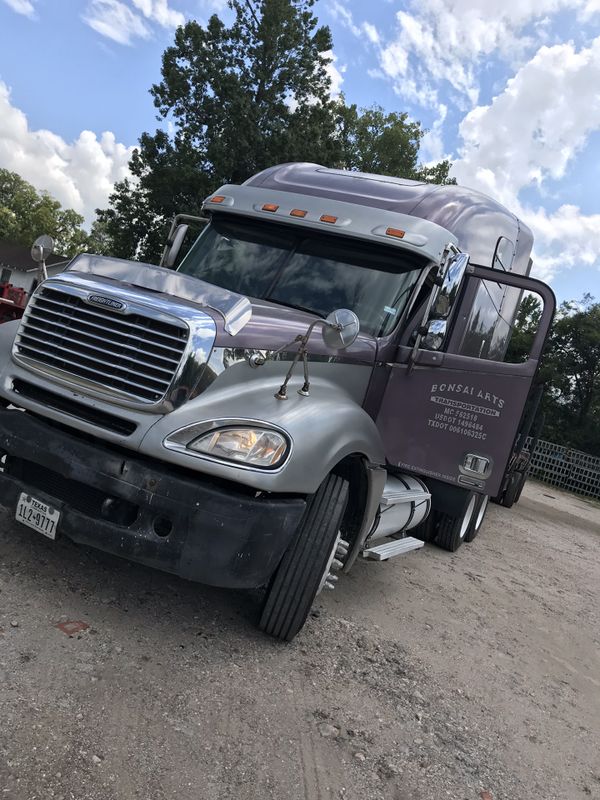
453, 413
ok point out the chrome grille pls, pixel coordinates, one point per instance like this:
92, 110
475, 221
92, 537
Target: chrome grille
129, 353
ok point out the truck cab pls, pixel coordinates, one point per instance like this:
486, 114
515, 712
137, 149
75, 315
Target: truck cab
326, 371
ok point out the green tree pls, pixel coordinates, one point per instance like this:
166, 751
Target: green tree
570, 370
241, 98
385, 143
26, 213
238, 98
574, 362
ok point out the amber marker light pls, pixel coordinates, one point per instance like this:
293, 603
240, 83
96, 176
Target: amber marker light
395, 232
328, 218
270, 207
298, 212
218, 198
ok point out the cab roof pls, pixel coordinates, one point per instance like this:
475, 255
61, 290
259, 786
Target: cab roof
475, 219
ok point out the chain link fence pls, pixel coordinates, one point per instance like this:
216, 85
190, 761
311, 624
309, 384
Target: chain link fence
566, 468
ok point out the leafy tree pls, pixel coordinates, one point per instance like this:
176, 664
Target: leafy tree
241, 98
570, 370
574, 360
385, 143
25, 214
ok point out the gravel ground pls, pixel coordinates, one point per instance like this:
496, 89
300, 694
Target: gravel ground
472, 675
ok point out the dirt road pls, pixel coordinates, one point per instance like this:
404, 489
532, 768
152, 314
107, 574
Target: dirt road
429, 676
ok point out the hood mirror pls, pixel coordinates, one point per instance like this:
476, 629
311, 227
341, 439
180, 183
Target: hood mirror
42, 248
340, 329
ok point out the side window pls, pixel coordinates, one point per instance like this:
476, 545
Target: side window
502, 323
5, 276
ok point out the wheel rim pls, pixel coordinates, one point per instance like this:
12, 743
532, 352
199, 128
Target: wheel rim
481, 512
338, 555
466, 520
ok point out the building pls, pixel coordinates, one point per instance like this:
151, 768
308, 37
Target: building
19, 275
19, 269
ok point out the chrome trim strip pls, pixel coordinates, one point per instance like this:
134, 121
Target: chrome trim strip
235, 309
187, 365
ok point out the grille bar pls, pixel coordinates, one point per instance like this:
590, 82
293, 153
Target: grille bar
133, 354
115, 323
73, 352
111, 329
171, 360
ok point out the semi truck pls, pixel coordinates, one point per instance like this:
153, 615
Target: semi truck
326, 376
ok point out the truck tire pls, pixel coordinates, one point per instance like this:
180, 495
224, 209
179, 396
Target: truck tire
450, 530
425, 531
478, 518
301, 572
513, 490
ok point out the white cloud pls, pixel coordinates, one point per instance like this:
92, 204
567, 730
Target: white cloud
432, 144
24, 7
366, 30
437, 43
79, 174
530, 133
117, 20
159, 11
336, 75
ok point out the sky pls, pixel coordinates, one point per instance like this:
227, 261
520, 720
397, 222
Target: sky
508, 91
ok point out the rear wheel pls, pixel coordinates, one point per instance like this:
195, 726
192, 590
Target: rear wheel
478, 517
305, 566
451, 530
514, 489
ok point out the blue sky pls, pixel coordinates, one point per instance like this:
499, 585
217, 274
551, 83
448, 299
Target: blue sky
509, 91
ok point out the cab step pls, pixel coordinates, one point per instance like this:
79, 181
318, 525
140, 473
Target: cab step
396, 547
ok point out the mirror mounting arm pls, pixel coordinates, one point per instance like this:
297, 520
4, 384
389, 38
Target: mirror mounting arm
343, 323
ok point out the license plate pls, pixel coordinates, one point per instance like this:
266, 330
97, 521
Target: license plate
37, 515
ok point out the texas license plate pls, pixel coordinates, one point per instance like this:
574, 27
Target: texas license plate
37, 515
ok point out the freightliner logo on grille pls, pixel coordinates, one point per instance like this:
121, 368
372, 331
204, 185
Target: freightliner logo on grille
107, 302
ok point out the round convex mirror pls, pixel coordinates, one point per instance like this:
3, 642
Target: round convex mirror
341, 329
43, 247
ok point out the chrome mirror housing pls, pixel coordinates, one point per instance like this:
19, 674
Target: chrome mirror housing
436, 319
172, 250
340, 329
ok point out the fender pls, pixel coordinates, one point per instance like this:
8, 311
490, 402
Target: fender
323, 428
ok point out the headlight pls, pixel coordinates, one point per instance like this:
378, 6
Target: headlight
253, 446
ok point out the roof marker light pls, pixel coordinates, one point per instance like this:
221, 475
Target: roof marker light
395, 232
218, 198
298, 212
328, 218
272, 207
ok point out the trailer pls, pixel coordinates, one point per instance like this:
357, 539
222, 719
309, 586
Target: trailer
13, 300
325, 377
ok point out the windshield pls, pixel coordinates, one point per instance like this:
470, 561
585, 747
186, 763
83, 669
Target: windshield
316, 273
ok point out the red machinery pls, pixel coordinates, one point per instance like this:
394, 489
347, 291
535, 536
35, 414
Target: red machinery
13, 300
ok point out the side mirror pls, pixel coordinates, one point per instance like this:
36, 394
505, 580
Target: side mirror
340, 329
42, 248
439, 309
172, 249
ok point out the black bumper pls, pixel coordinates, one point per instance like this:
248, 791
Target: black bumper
154, 514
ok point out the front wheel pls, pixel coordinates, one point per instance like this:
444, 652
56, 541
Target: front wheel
305, 565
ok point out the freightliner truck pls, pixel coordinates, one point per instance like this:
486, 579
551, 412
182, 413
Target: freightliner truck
326, 376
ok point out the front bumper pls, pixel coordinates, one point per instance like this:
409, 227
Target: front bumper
175, 520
